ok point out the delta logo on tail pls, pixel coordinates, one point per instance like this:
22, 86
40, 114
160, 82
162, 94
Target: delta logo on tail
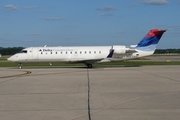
152, 38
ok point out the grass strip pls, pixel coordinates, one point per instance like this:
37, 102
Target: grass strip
5, 63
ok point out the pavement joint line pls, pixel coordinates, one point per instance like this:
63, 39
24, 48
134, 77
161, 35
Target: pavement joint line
98, 111
17, 75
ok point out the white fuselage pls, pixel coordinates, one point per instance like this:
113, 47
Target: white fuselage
85, 54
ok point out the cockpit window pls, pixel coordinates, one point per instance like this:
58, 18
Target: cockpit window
23, 51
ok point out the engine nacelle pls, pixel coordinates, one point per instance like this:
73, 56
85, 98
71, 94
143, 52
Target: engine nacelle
119, 49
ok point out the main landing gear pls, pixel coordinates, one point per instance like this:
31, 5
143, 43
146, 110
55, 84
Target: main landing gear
89, 65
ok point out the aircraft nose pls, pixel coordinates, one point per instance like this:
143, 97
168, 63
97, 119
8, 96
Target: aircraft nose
11, 58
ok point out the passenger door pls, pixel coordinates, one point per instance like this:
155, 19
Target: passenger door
35, 53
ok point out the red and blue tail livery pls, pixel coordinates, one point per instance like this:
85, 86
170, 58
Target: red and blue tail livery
151, 39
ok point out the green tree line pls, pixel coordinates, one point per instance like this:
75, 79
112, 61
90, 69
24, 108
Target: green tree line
10, 50
166, 51
13, 50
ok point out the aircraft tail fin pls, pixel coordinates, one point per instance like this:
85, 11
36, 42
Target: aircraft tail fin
149, 42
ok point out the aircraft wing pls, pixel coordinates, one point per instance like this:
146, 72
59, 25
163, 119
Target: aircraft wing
86, 60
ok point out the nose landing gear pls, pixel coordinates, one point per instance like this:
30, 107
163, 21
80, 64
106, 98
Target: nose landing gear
20, 66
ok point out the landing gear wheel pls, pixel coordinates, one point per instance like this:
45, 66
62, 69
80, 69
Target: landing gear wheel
89, 65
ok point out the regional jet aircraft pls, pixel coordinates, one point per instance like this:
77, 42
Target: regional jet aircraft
89, 54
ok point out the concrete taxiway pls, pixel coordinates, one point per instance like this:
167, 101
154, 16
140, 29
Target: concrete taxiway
115, 93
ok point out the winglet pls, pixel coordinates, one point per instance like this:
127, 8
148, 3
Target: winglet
110, 54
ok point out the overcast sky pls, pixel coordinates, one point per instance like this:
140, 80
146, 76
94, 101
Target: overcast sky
29, 23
